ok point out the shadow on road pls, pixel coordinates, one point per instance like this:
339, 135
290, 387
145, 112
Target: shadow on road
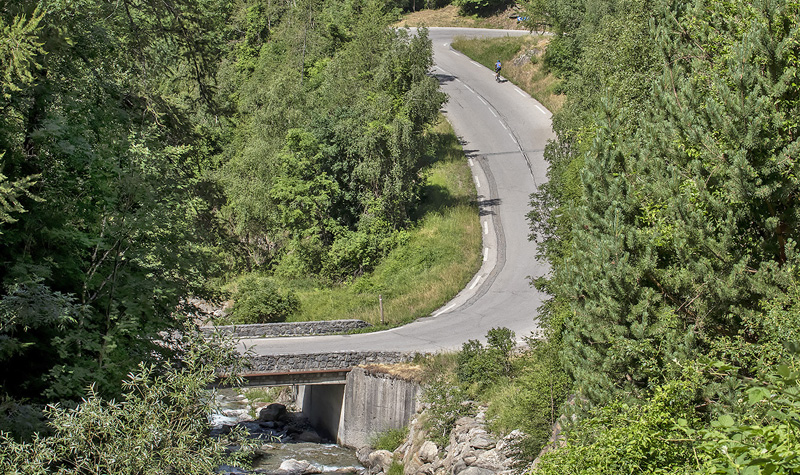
444, 78
486, 206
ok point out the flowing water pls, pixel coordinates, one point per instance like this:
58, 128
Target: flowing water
330, 457
278, 446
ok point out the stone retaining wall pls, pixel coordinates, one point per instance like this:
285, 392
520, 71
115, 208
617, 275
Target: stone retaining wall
262, 330
339, 360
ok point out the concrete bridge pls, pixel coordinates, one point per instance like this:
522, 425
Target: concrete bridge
345, 402
348, 405
278, 369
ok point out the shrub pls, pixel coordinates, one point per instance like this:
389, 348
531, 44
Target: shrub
258, 300
445, 406
390, 439
624, 438
157, 427
482, 366
532, 400
764, 437
357, 252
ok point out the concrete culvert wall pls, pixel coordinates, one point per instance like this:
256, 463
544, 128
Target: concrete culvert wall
375, 402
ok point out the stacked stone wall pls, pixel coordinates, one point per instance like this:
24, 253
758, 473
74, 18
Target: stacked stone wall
265, 330
338, 360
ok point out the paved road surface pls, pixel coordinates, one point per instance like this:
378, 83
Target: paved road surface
504, 132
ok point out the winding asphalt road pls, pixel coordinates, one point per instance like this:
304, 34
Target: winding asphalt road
503, 132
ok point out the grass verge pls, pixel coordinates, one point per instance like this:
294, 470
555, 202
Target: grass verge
449, 16
522, 64
441, 256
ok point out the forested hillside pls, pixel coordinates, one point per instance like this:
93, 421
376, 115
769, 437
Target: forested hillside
671, 223
151, 150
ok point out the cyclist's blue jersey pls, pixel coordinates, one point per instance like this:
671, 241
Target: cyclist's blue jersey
497, 66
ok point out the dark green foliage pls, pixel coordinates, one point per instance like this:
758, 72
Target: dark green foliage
763, 437
149, 146
531, 400
480, 7
678, 248
258, 300
670, 220
621, 438
482, 366
158, 426
328, 165
103, 139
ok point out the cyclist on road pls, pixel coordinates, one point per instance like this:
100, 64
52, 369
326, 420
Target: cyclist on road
497, 68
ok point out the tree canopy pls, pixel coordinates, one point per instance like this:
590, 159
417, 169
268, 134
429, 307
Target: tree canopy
153, 149
671, 217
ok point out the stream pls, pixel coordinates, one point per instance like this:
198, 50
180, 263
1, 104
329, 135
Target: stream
283, 442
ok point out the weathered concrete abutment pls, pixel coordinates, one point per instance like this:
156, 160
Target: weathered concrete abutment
369, 403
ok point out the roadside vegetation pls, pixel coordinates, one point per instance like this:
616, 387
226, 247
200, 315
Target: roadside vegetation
169, 151
280, 152
523, 388
523, 63
431, 262
669, 220
158, 424
437, 257
453, 16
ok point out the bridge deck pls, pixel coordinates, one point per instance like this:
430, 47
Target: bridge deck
290, 378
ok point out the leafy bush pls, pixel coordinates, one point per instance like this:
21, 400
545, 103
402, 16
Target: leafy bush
622, 438
158, 426
482, 366
258, 300
357, 252
445, 401
764, 439
532, 399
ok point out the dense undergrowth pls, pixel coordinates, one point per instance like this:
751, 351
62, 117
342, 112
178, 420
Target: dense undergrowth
432, 261
523, 388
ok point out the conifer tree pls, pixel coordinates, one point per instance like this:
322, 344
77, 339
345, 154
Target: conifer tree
688, 225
